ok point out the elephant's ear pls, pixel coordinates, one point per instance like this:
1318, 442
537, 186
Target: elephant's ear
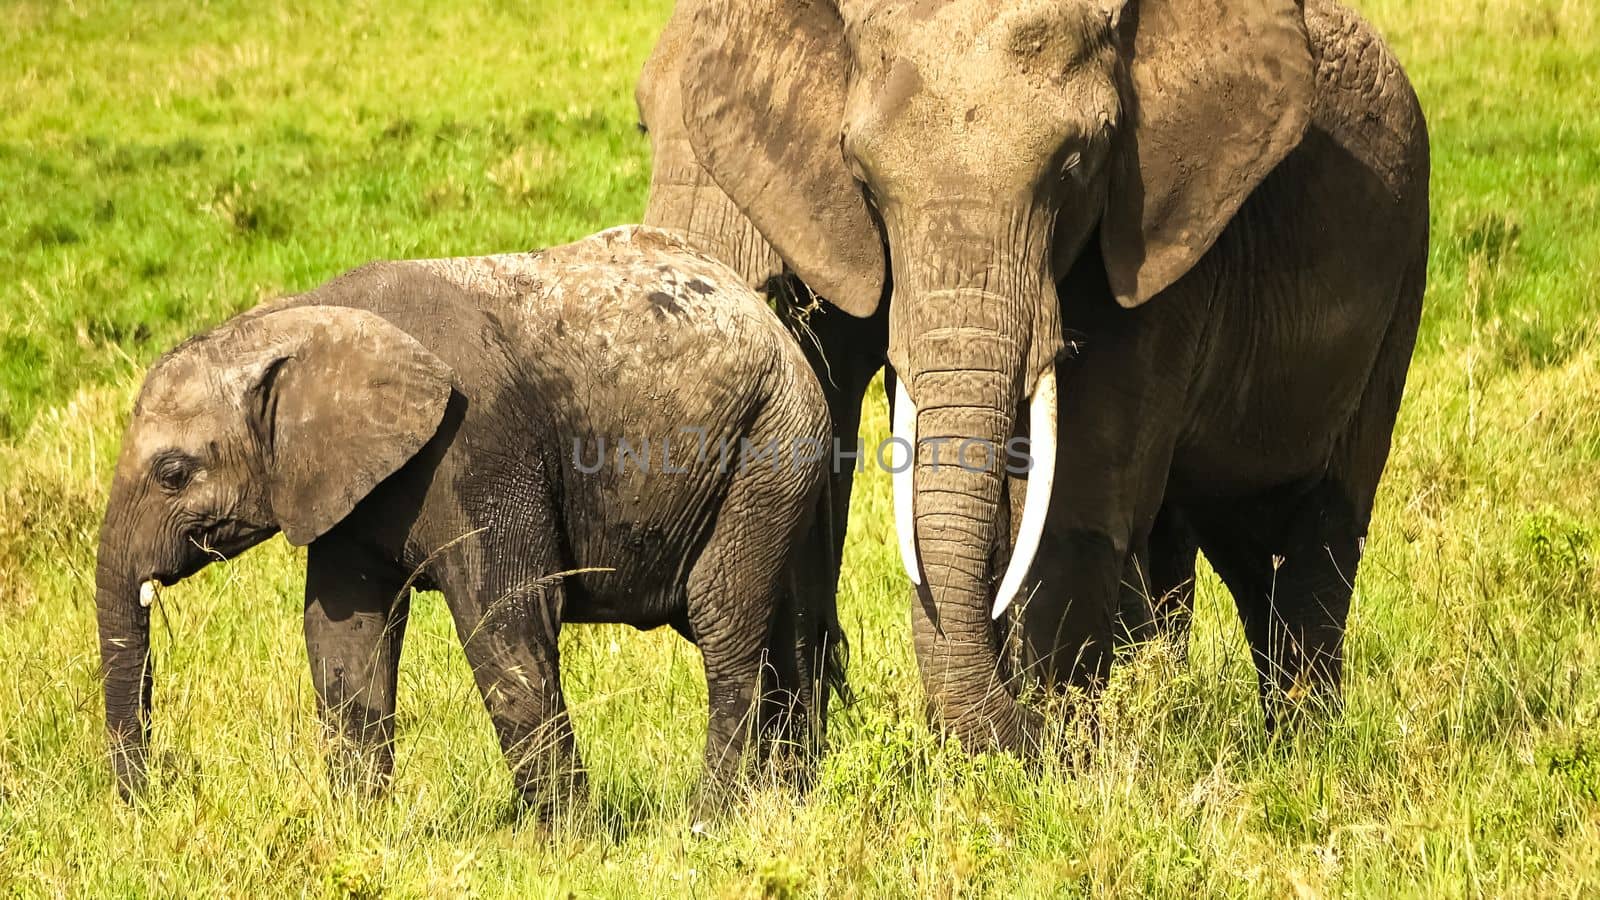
342, 402
683, 196
764, 86
1219, 91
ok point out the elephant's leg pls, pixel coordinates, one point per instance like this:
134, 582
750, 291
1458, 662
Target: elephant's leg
788, 706
1124, 402
1158, 586
736, 592
1096, 554
1290, 559
1358, 462
1173, 549
508, 619
1291, 562
731, 605
355, 621
845, 353
1135, 608
1069, 624
785, 692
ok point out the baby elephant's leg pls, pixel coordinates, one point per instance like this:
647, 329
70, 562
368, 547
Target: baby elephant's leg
509, 624
735, 595
355, 621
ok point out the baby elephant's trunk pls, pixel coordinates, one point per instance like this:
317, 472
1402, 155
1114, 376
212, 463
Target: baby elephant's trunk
122, 608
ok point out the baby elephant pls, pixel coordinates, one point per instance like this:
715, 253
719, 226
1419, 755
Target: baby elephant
615, 430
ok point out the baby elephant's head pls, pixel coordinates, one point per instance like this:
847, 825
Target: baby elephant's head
276, 421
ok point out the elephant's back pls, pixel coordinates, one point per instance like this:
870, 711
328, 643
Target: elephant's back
658, 363
637, 308
631, 301
1364, 100
647, 285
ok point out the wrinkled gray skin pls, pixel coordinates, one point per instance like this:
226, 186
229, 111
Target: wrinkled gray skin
413, 423
1209, 218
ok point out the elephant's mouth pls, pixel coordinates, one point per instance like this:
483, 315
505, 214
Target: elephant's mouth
201, 547
219, 546
169, 577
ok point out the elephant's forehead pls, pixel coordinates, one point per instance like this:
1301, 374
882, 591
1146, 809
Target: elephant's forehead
940, 35
156, 431
179, 390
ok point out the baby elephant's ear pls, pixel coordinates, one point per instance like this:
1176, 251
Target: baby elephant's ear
345, 400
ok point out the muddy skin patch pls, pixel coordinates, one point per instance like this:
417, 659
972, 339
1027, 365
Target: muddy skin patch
663, 305
903, 83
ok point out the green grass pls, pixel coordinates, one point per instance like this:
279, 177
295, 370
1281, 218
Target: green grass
165, 164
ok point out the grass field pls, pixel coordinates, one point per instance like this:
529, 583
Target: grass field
165, 164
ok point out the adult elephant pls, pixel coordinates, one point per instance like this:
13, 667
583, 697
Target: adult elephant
1187, 236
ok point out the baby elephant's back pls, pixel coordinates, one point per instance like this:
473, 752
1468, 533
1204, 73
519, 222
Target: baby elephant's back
674, 333
638, 327
648, 310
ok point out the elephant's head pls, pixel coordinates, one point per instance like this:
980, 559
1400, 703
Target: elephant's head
275, 421
985, 142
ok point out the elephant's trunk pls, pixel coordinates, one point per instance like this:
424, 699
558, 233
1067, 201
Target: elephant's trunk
973, 325
124, 619
955, 510
683, 198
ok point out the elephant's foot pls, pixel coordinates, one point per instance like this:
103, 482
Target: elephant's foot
1030, 730
1070, 730
553, 795
787, 763
130, 770
359, 769
713, 799
1300, 705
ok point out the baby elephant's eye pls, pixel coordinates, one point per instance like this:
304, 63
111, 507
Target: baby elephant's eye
174, 472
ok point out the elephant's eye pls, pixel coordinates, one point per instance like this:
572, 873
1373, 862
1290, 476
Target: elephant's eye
174, 471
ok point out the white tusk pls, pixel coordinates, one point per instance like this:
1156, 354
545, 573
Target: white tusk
149, 591
905, 457
1041, 479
